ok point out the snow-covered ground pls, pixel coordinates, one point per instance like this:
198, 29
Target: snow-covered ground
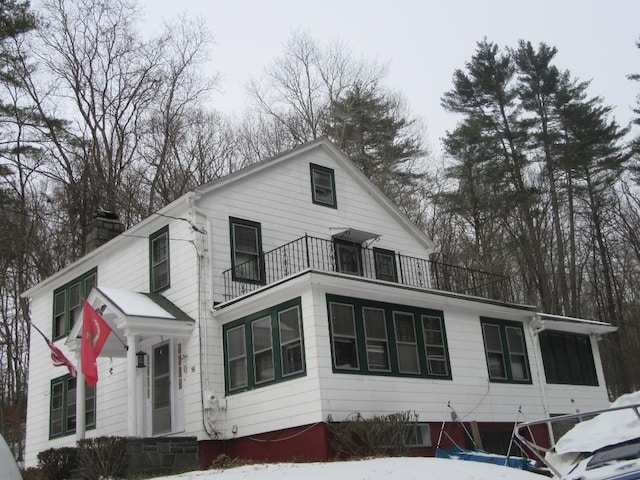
396, 468
607, 429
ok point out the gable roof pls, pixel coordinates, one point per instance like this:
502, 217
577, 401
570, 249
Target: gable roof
337, 155
133, 312
187, 201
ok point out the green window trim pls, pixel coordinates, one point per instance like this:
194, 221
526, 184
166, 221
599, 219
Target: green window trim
62, 408
323, 186
505, 349
567, 358
264, 348
411, 350
67, 302
247, 260
159, 261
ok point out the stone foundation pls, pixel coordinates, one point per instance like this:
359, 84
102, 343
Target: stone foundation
162, 456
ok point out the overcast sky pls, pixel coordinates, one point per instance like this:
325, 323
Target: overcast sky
423, 41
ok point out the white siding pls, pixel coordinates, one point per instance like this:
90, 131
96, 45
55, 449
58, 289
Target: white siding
280, 200
322, 393
124, 266
286, 404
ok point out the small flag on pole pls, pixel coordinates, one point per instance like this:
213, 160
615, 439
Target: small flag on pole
57, 357
94, 335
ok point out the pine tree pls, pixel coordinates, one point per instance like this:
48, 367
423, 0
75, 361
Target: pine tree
371, 129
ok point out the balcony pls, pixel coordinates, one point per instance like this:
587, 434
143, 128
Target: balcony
335, 256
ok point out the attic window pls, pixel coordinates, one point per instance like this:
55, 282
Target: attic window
323, 186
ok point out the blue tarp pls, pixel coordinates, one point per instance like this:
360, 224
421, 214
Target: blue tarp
478, 455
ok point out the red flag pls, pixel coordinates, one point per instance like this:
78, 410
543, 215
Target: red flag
59, 360
94, 335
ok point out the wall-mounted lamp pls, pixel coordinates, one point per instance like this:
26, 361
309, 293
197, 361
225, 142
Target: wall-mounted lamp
141, 357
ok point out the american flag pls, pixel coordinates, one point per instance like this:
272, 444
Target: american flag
59, 360
57, 357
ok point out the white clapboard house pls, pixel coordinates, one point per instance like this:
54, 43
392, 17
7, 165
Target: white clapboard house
260, 307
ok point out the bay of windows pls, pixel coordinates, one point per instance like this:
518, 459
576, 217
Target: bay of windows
378, 338
264, 348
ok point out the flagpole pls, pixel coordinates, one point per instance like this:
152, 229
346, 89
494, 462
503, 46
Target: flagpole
81, 407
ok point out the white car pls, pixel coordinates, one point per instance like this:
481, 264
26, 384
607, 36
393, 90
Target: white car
8, 467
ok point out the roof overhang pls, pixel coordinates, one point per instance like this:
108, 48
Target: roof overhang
547, 321
132, 313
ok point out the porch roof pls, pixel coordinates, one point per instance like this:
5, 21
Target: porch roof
133, 313
574, 325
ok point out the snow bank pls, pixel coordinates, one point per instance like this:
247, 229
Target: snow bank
397, 468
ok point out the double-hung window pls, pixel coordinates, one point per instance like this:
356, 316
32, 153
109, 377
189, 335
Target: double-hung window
264, 348
377, 344
406, 342
246, 251
323, 186
567, 358
370, 337
236, 350
345, 340
159, 260
67, 302
289, 327
62, 415
505, 351
435, 349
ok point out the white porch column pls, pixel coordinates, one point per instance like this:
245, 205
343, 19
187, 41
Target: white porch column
132, 395
81, 406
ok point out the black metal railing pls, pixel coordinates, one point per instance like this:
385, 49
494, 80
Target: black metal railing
320, 254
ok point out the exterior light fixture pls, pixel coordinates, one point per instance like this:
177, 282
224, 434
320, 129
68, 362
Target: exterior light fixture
142, 359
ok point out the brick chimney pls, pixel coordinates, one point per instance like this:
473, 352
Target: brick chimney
103, 227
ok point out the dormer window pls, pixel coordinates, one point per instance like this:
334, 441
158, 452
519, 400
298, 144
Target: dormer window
323, 186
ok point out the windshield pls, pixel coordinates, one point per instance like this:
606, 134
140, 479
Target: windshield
626, 451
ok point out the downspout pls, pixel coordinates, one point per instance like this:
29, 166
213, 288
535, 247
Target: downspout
205, 384
536, 326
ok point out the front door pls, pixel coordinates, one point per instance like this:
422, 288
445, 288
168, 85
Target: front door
161, 389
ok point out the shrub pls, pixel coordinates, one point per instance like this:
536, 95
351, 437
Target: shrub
379, 435
57, 463
102, 457
33, 473
224, 461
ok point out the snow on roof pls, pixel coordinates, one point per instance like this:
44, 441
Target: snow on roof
135, 304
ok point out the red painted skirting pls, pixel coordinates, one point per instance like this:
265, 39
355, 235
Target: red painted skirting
311, 443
